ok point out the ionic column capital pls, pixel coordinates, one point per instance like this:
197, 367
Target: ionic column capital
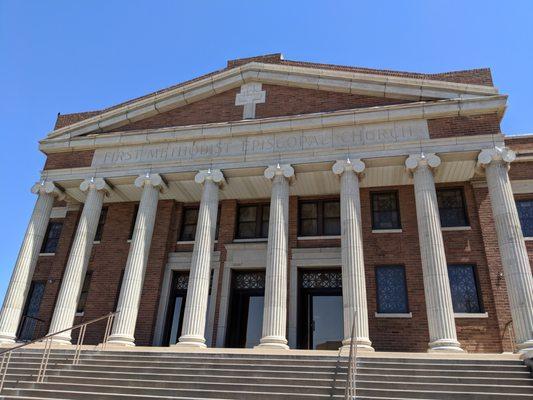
211, 175
415, 161
285, 170
503, 154
96, 184
48, 187
342, 166
154, 180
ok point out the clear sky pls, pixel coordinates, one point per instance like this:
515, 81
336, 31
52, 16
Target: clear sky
68, 56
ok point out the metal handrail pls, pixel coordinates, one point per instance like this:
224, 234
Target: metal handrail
351, 386
48, 340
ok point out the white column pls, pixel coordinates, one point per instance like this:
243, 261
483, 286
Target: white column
513, 252
443, 336
353, 263
275, 303
194, 316
80, 252
132, 284
26, 261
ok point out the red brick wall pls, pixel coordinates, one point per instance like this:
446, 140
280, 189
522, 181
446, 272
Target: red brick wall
464, 126
71, 159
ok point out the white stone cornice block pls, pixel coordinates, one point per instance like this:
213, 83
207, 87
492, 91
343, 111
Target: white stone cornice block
214, 175
285, 170
95, 183
423, 159
154, 180
341, 166
504, 154
48, 187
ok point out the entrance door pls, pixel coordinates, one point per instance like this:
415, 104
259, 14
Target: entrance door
176, 306
246, 309
29, 319
320, 316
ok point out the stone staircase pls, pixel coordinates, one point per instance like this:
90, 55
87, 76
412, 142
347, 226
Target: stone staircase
143, 375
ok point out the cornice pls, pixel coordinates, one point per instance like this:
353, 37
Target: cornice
410, 111
306, 77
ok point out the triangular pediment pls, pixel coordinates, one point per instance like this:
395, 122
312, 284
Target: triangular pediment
288, 90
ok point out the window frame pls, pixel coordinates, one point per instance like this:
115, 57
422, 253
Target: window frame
406, 291
182, 223
47, 237
477, 285
372, 211
88, 278
520, 200
465, 208
258, 220
320, 218
102, 219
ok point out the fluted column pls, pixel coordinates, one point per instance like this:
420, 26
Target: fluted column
443, 336
72, 282
353, 264
27, 259
130, 294
275, 304
513, 252
194, 316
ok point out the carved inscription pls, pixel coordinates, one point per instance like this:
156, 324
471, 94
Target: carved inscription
301, 141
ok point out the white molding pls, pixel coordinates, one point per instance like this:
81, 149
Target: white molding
471, 315
181, 261
47, 254
308, 77
324, 257
79, 314
522, 186
324, 237
528, 238
58, 212
400, 230
456, 228
391, 315
320, 120
240, 256
251, 240
96, 242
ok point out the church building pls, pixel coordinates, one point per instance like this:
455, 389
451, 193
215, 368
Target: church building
288, 205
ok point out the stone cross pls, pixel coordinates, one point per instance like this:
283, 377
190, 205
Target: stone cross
250, 95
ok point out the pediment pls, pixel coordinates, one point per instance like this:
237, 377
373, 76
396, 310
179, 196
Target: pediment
288, 91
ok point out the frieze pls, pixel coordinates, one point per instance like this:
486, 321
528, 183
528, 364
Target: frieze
292, 142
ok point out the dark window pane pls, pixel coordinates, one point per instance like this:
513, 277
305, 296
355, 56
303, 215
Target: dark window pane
309, 210
188, 228
84, 292
308, 227
332, 226
133, 220
451, 207
246, 230
266, 213
385, 213
463, 286
253, 221
30, 319
188, 232
51, 239
525, 213
391, 290
101, 223
190, 216
247, 214
332, 209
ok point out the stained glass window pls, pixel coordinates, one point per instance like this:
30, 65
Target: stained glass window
391, 289
464, 289
321, 279
452, 207
29, 320
525, 213
385, 211
51, 239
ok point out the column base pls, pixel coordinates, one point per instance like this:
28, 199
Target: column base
191, 341
362, 344
7, 339
273, 342
62, 340
121, 340
525, 349
445, 345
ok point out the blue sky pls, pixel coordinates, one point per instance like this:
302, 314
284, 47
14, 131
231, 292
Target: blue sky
69, 56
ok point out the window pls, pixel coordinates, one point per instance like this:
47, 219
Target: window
320, 218
252, 221
385, 210
452, 208
51, 238
101, 223
464, 288
391, 290
525, 213
84, 292
119, 288
133, 220
190, 220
